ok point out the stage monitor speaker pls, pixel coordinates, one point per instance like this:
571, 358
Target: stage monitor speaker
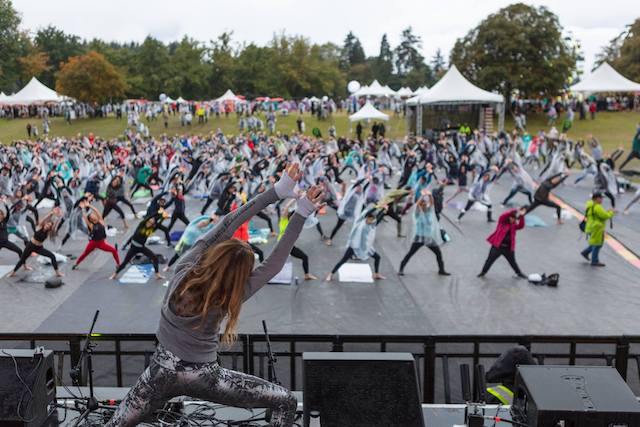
573, 396
27, 388
362, 389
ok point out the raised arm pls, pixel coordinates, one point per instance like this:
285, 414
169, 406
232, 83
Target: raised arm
231, 222
274, 263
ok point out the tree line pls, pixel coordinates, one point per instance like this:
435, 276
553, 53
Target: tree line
519, 49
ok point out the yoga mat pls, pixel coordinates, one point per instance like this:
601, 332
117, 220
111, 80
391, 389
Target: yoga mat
352, 272
285, 276
137, 274
534, 221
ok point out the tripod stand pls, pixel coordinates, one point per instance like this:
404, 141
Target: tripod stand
87, 351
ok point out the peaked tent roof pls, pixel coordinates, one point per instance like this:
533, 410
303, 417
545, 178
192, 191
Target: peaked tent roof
33, 93
606, 79
228, 96
374, 89
368, 112
180, 100
404, 92
453, 88
3, 97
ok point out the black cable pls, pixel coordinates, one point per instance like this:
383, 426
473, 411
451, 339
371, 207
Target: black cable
24, 384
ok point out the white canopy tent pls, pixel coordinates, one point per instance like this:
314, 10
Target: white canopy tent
368, 112
605, 79
454, 89
168, 100
375, 89
3, 97
228, 96
34, 93
404, 92
181, 100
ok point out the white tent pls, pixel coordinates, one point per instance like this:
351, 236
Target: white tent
314, 99
404, 92
34, 93
168, 100
180, 100
453, 88
228, 96
368, 112
390, 92
606, 79
3, 97
375, 89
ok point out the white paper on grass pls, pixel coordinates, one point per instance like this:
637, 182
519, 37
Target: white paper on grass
285, 276
352, 272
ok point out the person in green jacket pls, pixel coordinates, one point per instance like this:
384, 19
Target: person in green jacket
596, 217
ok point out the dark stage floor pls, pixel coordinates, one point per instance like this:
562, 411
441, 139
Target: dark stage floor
588, 301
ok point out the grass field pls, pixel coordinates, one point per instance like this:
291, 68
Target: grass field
612, 129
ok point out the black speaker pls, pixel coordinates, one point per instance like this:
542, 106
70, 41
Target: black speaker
573, 396
362, 389
27, 387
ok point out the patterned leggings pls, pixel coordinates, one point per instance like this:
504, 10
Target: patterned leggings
168, 377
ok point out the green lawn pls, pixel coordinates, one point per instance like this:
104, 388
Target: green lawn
612, 129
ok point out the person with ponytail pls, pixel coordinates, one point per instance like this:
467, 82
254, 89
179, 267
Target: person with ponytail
210, 283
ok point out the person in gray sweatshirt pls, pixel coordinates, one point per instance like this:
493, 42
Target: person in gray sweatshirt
209, 285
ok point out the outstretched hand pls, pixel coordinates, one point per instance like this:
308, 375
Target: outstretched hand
315, 195
293, 170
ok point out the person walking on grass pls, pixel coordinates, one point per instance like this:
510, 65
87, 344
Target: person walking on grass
596, 217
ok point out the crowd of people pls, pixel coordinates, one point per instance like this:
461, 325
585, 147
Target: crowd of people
364, 181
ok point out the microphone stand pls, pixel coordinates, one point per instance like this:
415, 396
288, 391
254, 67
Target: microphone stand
271, 360
87, 351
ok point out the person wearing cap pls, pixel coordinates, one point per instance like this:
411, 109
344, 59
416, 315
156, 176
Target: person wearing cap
596, 217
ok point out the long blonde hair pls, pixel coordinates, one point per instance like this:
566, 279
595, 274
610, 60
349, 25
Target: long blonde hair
219, 280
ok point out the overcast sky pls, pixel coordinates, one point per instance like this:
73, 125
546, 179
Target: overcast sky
438, 22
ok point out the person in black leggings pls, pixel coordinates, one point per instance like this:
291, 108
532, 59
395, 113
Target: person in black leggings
503, 240
4, 233
115, 191
138, 245
542, 194
369, 220
296, 252
177, 200
46, 228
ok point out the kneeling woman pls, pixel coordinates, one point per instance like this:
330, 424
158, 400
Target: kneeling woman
426, 232
210, 283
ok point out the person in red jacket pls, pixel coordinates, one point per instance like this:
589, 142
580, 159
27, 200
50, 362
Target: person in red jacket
503, 240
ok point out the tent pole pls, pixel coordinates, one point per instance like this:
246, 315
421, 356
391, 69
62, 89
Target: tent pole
501, 117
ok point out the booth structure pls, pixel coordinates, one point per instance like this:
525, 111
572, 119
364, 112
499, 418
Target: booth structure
228, 96
451, 102
33, 93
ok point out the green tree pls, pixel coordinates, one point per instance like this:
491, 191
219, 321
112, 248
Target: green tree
90, 78
59, 47
438, 65
383, 66
152, 63
221, 73
520, 48
623, 52
11, 47
352, 52
188, 72
410, 66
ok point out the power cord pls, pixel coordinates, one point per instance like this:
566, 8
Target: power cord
24, 384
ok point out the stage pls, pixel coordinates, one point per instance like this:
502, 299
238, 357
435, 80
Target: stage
588, 301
